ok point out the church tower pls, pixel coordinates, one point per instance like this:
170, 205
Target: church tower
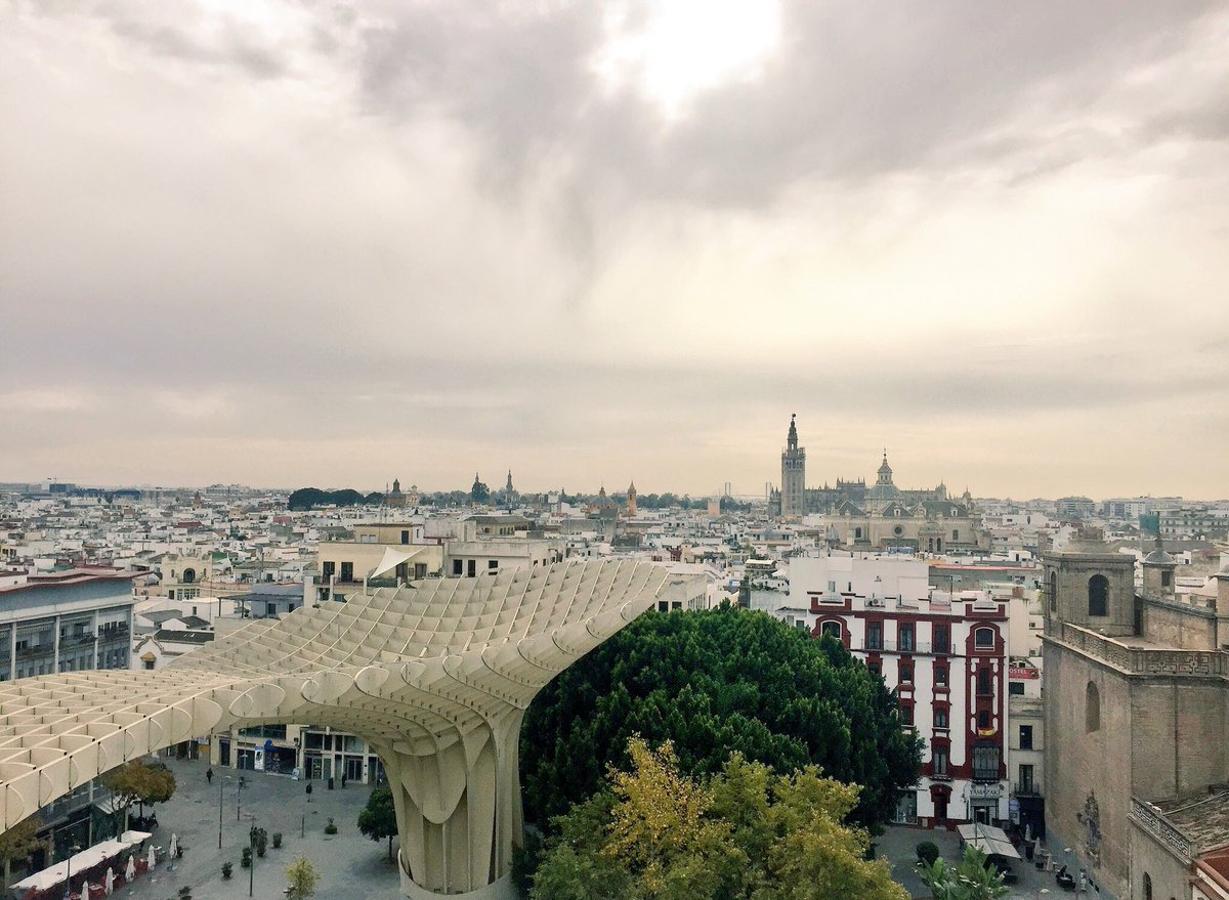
793, 473
631, 500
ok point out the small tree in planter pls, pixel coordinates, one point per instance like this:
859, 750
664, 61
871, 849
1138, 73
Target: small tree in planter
378, 819
227, 868
261, 841
277, 840
245, 859
302, 879
330, 828
927, 853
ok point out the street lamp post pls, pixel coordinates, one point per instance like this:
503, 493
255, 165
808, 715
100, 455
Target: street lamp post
68, 882
252, 867
239, 796
221, 780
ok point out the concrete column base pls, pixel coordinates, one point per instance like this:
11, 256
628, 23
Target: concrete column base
501, 889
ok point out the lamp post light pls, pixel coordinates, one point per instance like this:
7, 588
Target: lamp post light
68, 882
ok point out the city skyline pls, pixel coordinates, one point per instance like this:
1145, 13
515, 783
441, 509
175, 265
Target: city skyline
284, 245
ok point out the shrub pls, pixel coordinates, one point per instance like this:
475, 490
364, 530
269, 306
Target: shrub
277, 839
330, 828
227, 868
245, 859
927, 852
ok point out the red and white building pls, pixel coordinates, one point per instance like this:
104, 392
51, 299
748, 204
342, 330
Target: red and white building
946, 657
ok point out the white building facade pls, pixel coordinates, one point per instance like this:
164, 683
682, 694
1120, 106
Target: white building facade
944, 655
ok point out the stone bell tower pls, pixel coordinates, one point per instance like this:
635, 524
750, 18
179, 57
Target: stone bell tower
793, 473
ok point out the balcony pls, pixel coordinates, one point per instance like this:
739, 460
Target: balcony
1025, 789
914, 647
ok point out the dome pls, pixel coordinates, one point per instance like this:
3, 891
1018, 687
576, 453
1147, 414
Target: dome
1158, 556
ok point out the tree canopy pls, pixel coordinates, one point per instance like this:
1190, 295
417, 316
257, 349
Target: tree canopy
136, 782
715, 682
19, 842
310, 497
378, 819
743, 834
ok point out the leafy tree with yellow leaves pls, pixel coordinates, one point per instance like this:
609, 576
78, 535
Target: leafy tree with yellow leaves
744, 834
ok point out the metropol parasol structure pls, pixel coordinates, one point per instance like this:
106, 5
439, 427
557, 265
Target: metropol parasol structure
436, 676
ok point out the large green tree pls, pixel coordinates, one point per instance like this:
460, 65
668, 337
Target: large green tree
715, 682
743, 834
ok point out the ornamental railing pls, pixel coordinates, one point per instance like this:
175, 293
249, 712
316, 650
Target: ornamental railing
1146, 660
1148, 817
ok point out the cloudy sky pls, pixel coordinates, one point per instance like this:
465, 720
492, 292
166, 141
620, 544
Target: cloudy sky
288, 243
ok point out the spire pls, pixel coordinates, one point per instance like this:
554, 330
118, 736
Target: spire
791, 440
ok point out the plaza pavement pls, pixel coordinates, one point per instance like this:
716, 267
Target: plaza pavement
899, 846
351, 866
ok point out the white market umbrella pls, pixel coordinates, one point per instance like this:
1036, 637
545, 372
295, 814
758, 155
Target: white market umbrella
108, 883
174, 845
130, 871
151, 859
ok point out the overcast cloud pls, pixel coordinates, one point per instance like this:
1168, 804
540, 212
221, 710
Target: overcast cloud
288, 243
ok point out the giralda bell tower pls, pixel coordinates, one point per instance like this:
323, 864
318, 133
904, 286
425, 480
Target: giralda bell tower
793, 472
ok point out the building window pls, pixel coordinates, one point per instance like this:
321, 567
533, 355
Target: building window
1015, 688
941, 676
983, 639
492, 565
1026, 779
857, 534
1053, 592
1098, 595
471, 567
940, 718
985, 762
904, 638
1026, 737
983, 720
985, 682
873, 668
906, 714
831, 629
906, 673
149, 663
938, 761
1166, 577
327, 568
458, 567
942, 638
1147, 886
874, 635
955, 534
270, 609
1092, 708
347, 571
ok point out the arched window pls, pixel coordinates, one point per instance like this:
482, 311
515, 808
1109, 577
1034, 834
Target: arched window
831, 629
1092, 708
1147, 886
1098, 595
983, 639
1053, 592
189, 576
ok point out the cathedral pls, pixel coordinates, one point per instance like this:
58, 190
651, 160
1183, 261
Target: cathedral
878, 516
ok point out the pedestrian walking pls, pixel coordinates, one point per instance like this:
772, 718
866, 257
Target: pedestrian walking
209, 774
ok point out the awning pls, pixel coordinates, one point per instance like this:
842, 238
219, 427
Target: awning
988, 839
86, 859
391, 559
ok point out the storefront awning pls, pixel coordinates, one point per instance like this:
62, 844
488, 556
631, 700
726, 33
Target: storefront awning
988, 839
